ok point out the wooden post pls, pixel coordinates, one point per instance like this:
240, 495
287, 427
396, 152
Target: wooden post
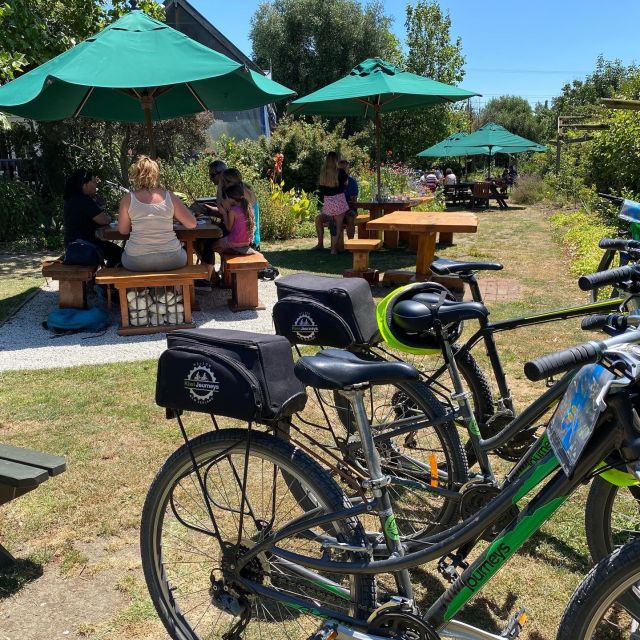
146, 102
426, 251
378, 154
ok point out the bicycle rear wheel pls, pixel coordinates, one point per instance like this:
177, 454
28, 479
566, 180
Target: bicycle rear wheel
421, 462
189, 570
606, 604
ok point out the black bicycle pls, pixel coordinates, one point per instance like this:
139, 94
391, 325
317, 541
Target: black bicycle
245, 536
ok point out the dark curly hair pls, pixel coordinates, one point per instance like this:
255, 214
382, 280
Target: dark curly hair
74, 182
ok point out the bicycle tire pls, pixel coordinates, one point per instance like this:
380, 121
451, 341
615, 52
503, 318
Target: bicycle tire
604, 587
608, 261
612, 517
398, 458
171, 584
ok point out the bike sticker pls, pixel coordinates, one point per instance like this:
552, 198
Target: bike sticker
574, 421
391, 528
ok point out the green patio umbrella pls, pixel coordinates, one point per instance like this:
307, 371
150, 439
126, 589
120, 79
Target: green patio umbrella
375, 87
443, 149
491, 139
137, 70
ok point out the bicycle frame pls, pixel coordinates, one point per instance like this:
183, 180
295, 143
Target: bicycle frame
526, 477
488, 329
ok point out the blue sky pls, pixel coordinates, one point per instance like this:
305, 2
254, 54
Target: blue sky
523, 47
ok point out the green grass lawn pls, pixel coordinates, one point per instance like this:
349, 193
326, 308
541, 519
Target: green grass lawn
104, 421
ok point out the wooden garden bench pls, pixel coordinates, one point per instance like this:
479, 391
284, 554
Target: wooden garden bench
241, 274
21, 471
73, 279
177, 279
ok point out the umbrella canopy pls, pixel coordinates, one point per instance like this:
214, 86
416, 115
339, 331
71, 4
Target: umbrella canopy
374, 87
443, 149
488, 140
137, 70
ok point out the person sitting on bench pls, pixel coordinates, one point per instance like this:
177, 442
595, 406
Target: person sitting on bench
238, 219
83, 216
147, 213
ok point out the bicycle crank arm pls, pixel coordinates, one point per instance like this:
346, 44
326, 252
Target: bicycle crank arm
461, 631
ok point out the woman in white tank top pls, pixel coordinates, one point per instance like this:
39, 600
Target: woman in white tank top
147, 214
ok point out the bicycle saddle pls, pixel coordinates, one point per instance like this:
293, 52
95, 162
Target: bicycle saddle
415, 316
447, 266
336, 369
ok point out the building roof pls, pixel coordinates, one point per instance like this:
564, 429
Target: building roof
181, 15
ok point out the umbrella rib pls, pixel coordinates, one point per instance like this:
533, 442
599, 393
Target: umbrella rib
87, 95
197, 97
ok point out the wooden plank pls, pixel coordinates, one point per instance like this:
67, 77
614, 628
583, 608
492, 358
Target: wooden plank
52, 464
425, 221
131, 279
15, 474
362, 243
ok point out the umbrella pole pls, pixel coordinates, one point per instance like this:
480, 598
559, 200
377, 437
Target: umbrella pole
147, 102
489, 169
379, 195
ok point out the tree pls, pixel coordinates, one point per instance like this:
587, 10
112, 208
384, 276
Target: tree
433, 54
513, 113
311, 43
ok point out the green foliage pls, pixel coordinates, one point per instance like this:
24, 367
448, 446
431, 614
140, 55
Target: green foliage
513, 113
305, 145
431, 53
190, 178
311, 43
580, 231
614, 162
396, 178
530, 189
25, 214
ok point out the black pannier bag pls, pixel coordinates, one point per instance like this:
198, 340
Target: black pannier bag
324, 311
238, 374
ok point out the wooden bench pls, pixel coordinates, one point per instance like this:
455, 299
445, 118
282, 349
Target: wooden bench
361, 248
21, 471
177, 279
241, 274
73, 279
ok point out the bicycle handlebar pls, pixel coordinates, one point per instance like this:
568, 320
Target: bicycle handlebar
620, 244
567, 359
604, 278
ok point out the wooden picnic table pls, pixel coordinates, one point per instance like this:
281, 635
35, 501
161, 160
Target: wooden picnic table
188, 236
378, 209
425, 225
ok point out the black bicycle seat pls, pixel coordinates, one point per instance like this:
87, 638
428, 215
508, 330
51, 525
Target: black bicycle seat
335, 369
446, 266
415, 316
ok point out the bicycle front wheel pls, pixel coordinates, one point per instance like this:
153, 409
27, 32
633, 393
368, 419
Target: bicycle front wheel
606, 604
189, 558
612, 517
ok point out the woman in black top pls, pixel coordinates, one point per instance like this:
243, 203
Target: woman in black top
331, 187
83, 216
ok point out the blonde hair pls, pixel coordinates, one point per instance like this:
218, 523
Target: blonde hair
144, 173
329, 172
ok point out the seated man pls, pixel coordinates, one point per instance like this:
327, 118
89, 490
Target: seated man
351, 193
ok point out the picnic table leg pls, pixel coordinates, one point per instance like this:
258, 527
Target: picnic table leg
426, 251
124, 307
188, 247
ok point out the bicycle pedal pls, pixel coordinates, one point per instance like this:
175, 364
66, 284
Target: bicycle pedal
448, 566
514, 626
328, 631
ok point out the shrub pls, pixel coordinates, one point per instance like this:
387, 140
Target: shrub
24, 214
530, 189
580, 231
192, 178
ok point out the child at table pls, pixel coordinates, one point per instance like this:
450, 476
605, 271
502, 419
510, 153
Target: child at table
238, 219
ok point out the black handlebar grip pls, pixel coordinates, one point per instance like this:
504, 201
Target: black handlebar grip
613, 243
594, 322
604, 278
562, 361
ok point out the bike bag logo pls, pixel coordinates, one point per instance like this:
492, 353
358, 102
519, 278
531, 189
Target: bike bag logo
305, 327
201, 383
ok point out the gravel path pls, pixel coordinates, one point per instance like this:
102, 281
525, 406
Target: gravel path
25, 344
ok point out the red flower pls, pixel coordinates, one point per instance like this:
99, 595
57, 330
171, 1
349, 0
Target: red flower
389, 152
